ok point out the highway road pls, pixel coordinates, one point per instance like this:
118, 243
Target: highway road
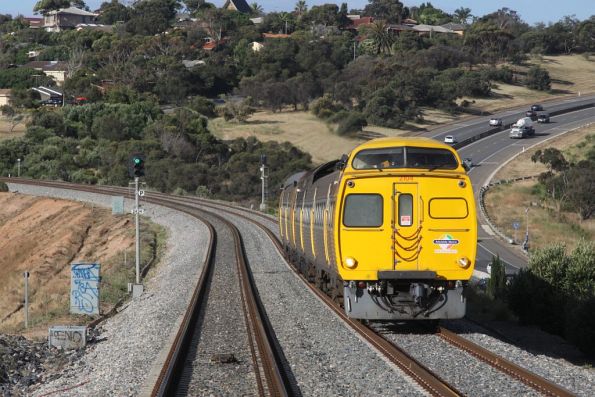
491, 152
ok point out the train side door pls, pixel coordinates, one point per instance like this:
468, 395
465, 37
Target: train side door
406, 225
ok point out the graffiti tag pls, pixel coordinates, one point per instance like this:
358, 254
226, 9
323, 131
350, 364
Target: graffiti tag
84, 288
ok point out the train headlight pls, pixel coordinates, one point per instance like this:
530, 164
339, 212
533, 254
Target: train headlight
464, 262
350, 262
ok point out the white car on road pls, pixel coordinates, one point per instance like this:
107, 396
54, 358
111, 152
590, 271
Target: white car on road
495, 122
450, 139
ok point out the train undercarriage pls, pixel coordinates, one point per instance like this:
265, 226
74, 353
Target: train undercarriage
398, 297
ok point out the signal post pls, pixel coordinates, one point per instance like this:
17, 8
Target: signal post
137, 169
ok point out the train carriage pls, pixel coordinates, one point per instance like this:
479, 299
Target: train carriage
390, 230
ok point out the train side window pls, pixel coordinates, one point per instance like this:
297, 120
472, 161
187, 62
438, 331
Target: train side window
405, 210
363, 210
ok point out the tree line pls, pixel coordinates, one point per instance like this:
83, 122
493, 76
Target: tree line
370, 75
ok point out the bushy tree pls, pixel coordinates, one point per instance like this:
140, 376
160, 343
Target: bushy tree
351, 124
497, 281
112, 12
538, 79
151, 17
44, 6
390, 11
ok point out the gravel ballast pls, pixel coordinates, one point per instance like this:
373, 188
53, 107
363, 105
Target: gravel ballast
132, 340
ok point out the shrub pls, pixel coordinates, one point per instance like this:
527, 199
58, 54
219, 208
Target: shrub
351, 124
324, 107
497, 281
3, 187
538, 79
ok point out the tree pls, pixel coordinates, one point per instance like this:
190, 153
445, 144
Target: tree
256, 9
497, 282
45, 6
462, 15
112, 12
381, 37
151, 17
194, 5
552, 158
11, 114
538, 79
387, 10
300, 8
581, 182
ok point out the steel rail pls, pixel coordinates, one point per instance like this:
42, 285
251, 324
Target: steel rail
402, 359
261, 334
431, 382
529, 378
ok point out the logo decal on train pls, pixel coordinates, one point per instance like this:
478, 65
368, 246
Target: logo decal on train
447, 244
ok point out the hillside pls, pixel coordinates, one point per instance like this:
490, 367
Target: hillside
44, 236
570, 75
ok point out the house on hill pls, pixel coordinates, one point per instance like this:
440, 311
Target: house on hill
458, 28
238, 5
56, 69
4, 96
67, 18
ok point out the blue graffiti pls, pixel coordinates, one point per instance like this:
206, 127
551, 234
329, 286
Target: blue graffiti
85, 288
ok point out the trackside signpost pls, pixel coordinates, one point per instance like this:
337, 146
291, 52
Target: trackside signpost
136, 169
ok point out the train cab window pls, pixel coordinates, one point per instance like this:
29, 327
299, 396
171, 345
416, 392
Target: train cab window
391, 157
405, 210
363, 210
431, 158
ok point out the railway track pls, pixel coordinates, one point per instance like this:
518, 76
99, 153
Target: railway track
179, 375
431, 382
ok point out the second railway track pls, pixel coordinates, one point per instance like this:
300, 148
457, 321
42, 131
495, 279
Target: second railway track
541, 385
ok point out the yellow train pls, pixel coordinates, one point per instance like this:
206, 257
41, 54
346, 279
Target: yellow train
390, 229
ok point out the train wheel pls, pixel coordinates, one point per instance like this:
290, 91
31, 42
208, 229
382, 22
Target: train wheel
311, 273
318, 281
337, 292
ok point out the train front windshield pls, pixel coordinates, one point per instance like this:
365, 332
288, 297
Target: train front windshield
404, 157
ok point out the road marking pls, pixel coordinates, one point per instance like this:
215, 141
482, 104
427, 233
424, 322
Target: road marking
488, 230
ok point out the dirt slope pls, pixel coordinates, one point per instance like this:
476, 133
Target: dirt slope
44, 236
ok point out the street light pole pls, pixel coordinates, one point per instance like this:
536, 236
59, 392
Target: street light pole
18, 167
526, 242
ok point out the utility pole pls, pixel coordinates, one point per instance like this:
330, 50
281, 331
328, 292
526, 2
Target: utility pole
263, 177
26, 275
526, 242
354, 49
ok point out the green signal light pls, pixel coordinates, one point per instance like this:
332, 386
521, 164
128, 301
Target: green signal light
137, 160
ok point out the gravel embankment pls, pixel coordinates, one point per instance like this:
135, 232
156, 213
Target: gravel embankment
130, 342
326, 357
339, 370
542, 354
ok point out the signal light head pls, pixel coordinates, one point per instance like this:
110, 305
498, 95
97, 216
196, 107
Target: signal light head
136, 166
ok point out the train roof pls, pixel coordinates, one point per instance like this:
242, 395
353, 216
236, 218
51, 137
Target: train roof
401, 141
293, 179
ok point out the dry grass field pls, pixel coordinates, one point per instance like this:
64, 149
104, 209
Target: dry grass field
311, 134
570, 75
303, 129
6, 133
507, 203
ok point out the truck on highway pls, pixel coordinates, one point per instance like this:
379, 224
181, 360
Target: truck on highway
522, 128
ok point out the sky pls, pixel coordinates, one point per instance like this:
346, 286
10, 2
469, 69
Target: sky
531, 11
